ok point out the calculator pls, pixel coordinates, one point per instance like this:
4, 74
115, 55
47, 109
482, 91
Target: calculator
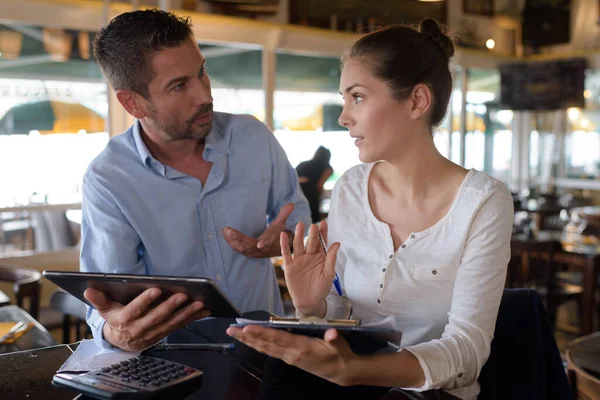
140, 376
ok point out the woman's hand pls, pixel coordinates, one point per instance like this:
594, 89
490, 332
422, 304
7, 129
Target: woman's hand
330, 358
309, 272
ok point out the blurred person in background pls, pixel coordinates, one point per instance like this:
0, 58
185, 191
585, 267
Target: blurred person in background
312, 175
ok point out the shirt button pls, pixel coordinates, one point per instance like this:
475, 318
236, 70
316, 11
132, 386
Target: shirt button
403, 246
412, 236
218, 277
379, 301
391, 256
434, 272
460, 375
210, 237
381, 285
385, 269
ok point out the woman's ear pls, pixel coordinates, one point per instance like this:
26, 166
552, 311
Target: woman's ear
420, 101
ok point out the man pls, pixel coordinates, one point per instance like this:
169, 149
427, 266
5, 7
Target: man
185, 191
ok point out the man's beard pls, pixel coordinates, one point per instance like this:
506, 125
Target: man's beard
188, 130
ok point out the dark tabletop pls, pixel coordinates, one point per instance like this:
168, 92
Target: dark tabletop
585, 353
238, 374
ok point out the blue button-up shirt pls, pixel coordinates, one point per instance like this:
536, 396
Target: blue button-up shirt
143, 217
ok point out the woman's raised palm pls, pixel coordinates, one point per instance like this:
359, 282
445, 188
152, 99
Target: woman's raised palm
308, 272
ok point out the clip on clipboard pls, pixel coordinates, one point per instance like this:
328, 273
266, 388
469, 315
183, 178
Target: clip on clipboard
316, 327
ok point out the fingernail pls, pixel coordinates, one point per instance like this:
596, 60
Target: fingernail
180, 299
152, 293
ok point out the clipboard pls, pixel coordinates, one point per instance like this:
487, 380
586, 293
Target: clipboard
365, 337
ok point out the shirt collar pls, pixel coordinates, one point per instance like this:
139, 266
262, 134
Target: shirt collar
217, 140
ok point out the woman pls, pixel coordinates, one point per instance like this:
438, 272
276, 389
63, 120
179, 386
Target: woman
312, 175
416, 236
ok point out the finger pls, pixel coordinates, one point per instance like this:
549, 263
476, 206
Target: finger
312, 245
324, 229
331, 335
99, 301
162, 312
272, 342
284, 243
268, 237
283, 214
299, 240
239, 242
330, 259
138, 306
181, 318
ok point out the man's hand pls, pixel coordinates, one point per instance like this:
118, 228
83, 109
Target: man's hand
136, 326
267, 244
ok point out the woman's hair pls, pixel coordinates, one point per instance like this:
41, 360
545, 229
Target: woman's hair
405, 56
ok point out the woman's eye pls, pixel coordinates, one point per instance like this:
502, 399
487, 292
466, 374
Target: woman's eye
357, 98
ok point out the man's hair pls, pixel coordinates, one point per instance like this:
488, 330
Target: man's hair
125, 47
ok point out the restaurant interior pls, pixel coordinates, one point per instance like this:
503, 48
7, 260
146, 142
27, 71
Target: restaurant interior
524, 108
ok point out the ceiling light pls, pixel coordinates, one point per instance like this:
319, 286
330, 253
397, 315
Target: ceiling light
587, 93
490, 44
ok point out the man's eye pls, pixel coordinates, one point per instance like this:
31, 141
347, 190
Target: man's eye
179, 86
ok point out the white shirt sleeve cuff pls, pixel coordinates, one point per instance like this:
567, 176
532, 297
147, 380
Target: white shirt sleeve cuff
434, 378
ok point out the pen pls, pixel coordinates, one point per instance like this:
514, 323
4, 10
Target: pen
336, 280
195, 346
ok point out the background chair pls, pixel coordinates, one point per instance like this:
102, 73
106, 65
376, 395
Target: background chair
74, 312
534, 266
26, 286
524, 360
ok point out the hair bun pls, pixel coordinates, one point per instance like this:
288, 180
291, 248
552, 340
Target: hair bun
433, 30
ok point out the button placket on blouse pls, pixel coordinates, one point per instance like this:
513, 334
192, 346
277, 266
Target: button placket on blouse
384, 269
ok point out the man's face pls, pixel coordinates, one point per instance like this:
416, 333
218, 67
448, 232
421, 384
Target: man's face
180, 101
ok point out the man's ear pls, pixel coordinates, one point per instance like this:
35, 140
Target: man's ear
132, 102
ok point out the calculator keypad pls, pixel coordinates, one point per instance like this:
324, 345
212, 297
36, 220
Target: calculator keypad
146, 373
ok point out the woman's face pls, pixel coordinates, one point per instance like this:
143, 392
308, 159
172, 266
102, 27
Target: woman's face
381, 125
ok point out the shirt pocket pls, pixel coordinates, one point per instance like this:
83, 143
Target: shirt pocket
245, 207
434, 273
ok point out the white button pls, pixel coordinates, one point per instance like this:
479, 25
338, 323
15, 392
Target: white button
210, 237
218, 277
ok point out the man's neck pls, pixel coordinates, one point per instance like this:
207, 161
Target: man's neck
173, 152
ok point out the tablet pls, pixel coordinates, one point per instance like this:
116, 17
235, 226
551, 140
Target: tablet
124, 288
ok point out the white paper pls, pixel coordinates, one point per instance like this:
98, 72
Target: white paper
89, 357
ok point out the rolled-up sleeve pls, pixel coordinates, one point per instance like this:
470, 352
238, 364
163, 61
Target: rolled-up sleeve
108, 243
455, 360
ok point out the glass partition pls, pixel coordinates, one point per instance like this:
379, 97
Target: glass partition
53, 109
307, 107
236, 78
